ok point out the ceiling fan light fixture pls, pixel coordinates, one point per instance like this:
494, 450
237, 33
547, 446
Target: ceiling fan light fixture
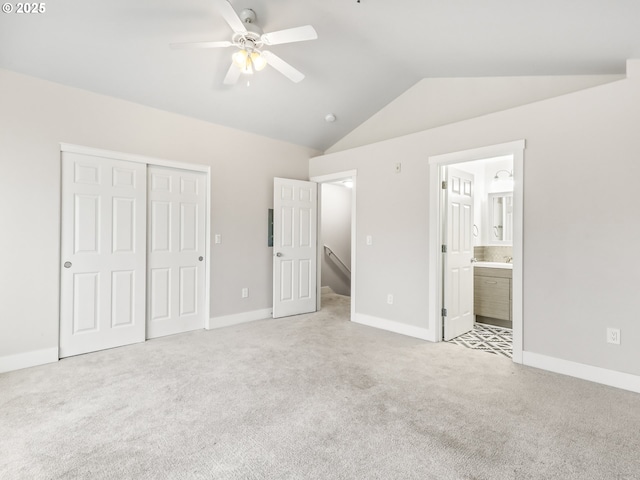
248, 38
240, 59
248, 62
258, 61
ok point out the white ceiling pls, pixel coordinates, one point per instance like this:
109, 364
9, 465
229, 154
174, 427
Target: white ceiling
366, 53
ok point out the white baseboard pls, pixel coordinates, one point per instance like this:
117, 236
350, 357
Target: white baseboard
18, 361
625, 381
326, 289
393, 326
238, 318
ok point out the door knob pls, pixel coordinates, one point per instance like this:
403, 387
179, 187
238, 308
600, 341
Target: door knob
67, 264
278, 254
200, 258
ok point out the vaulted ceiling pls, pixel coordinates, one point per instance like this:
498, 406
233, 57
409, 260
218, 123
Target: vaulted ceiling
367, 53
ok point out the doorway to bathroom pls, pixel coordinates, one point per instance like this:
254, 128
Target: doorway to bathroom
476, 243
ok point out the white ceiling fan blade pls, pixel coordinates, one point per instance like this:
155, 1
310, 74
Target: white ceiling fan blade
297, 34
283, 67
233, 74
230, 15
222, 44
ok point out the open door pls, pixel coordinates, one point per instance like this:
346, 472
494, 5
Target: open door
457, 312
294, 247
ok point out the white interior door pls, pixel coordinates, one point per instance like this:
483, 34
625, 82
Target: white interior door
176, 249
458, 269
103, 253
294, 247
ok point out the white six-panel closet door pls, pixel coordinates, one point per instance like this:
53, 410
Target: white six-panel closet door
176, 248
103, 252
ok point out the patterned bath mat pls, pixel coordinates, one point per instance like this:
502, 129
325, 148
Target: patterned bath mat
489, 338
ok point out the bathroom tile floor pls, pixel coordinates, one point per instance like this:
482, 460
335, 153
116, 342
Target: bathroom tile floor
489, 338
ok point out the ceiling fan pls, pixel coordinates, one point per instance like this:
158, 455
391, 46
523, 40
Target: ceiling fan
249, 40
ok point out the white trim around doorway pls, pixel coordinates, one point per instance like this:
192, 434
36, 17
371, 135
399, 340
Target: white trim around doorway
515, 148
330, 178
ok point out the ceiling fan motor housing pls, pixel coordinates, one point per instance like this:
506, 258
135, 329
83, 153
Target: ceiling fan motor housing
248, 16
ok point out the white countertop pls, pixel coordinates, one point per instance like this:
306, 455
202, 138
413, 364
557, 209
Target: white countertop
494, 265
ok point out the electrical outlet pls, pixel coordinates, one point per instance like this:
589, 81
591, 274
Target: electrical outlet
613, 336
369, 240
390, 299
245, 292
217, 239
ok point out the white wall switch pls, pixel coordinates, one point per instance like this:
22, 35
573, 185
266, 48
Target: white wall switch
390, 299
217, 239
369, 240
613, 336
245, 292
398, 167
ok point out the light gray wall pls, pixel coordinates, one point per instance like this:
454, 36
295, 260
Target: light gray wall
36, 115
433, 102
581, 228
335, 224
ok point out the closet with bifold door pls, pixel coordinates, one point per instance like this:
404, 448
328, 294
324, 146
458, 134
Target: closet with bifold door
133, 250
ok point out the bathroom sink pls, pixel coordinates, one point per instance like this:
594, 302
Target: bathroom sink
493, 264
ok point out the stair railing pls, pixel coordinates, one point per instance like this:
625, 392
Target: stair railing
330, 253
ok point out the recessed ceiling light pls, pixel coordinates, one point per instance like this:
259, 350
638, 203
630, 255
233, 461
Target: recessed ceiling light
330, 117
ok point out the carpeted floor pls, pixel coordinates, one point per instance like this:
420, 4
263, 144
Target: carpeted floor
487, 338
310, 397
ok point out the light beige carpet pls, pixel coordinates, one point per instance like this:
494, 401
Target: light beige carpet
310, 397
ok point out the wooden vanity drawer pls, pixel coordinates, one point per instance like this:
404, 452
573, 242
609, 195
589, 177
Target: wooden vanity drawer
492, 297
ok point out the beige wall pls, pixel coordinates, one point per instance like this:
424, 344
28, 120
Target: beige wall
581, 228
35, 116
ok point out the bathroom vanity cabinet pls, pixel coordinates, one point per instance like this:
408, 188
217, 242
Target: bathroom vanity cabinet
492, 302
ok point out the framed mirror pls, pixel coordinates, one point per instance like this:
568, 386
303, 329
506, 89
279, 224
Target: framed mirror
500, 216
